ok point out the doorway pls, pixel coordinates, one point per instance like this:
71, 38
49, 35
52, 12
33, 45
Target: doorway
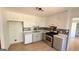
75, 28
15, 30
74, 35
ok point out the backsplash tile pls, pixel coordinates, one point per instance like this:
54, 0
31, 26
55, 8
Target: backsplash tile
63, 31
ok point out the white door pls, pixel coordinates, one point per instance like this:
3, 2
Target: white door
15, 30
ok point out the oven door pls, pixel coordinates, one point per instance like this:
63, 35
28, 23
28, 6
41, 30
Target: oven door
48, 40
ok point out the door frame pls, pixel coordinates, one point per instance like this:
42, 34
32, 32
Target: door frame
22, 25
71, 37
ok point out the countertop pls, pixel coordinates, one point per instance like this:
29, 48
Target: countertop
38, 31
62, 36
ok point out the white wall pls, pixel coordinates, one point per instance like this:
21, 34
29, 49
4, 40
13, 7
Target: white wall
3, 30
29, 20
60, 20
73, 14
63, 20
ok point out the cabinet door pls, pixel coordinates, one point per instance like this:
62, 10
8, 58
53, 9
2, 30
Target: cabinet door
37, 37
28, 38
57, 43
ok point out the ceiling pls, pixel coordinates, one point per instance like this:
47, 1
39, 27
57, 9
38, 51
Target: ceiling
32, 10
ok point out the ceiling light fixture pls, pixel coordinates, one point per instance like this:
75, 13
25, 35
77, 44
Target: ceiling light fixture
39, 9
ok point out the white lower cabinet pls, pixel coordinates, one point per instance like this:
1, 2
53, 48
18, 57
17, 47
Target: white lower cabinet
28, 38
32, 37
37, 37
